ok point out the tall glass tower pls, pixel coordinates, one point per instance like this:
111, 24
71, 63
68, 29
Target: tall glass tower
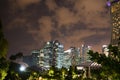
52, 54
115, 16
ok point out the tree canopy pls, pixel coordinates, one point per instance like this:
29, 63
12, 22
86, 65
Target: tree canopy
3, 43
110, 64
3, 51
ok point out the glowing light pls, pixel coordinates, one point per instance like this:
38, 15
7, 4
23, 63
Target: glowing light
48, 43
108, 3
104, 46
22, 68
68, 51
80, 68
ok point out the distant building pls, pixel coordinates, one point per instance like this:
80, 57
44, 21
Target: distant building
36, 57
115, 16
60, 56
67, 58
71, 57
52, 54
28, 60
85, 57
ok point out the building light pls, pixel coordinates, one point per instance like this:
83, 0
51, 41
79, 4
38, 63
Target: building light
48, 43
80, 68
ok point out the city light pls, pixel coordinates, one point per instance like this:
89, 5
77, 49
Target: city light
108, 3
22, 68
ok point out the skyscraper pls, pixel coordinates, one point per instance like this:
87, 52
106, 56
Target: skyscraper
52, 54
115, 16
71, 57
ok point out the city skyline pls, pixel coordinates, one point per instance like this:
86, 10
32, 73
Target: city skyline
28, 24
53, 54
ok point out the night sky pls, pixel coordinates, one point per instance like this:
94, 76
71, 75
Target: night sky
28, 24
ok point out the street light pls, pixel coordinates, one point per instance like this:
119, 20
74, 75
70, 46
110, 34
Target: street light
22, 68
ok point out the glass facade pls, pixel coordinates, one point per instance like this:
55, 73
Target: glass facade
52, 55
71, 57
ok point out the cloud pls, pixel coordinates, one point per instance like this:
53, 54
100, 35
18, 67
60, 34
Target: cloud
65, 17
85, 22
43, 30
68, 28
15, 23
23, 3
92, 12
46, 24
89, 5
76, 37
52, 6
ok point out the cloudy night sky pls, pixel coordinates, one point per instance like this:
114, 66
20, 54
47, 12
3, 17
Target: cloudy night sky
28, 24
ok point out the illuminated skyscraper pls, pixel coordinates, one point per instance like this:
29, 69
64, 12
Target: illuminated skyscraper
52, 54
115, 16
71, 57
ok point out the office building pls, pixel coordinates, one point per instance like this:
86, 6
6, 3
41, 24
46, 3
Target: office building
115, 16
71, 57
52, 54
36, 57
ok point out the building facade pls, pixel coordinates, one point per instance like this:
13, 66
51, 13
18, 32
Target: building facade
71, 57
115, 16
36, 57
52, 54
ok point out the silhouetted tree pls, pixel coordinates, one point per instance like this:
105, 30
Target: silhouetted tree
3, 51
19, 55
110, 65
16, 56
12, 57
3, 43
70, 73
13, 72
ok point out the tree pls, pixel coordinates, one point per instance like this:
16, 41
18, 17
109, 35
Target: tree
110, 65
70, 73
3, 51
3, 67
13, 72
54, 73
16, 56
3, 43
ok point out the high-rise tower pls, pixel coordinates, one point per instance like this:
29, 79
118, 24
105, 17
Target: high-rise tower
115, 16
52, 54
